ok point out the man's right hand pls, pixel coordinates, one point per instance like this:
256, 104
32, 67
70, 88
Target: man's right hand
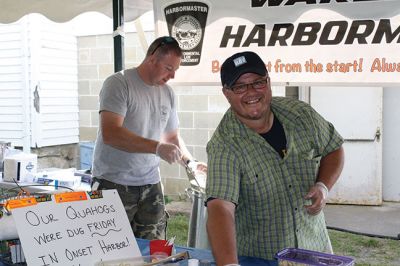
168, 152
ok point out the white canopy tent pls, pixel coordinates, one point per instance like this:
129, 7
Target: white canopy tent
275, 19
63, 11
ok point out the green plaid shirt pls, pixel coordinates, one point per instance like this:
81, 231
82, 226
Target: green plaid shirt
269, 191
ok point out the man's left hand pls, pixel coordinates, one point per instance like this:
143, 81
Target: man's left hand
318, 195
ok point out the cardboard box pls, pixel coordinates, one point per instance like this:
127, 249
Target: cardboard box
20, 167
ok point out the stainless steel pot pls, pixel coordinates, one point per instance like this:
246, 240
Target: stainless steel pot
197, 234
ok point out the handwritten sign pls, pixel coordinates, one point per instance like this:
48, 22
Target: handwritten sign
76, 233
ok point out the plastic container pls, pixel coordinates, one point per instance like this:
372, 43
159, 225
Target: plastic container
302, 257
86, 154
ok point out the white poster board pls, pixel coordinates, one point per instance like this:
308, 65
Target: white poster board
301, 42
75, 233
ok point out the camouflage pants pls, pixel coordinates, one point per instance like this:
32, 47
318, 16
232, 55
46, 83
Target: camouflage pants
144, 206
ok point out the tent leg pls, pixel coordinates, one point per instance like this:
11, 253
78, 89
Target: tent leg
118, 23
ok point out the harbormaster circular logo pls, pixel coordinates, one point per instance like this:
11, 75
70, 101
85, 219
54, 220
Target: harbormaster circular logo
186, 22
187, 31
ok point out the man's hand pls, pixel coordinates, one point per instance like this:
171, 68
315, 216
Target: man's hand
198, 166
168, 152
318, 195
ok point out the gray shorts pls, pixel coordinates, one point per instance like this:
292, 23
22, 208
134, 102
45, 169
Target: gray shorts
144, 206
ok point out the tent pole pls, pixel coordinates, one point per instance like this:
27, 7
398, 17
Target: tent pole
118, 24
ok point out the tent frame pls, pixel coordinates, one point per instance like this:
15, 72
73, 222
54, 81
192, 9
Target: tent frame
118, 35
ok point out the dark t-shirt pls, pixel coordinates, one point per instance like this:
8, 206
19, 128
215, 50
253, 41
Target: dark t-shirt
276, 137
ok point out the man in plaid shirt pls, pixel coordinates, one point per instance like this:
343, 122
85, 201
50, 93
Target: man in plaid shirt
271, 164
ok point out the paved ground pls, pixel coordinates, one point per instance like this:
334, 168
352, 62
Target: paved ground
382, 221
179, 207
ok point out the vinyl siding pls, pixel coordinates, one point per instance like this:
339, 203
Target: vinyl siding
12, 80
37, 54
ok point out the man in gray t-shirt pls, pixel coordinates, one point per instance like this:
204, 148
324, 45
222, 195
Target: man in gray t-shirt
138, 126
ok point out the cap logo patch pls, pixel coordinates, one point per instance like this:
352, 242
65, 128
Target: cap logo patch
239, 61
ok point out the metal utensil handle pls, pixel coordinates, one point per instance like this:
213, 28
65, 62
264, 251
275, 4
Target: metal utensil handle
192, 176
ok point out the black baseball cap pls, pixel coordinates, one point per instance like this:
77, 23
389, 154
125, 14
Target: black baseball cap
239, 64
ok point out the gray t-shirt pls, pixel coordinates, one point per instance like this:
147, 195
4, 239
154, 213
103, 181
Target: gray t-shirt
148, 111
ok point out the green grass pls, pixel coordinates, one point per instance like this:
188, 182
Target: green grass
367, 251
178, 226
